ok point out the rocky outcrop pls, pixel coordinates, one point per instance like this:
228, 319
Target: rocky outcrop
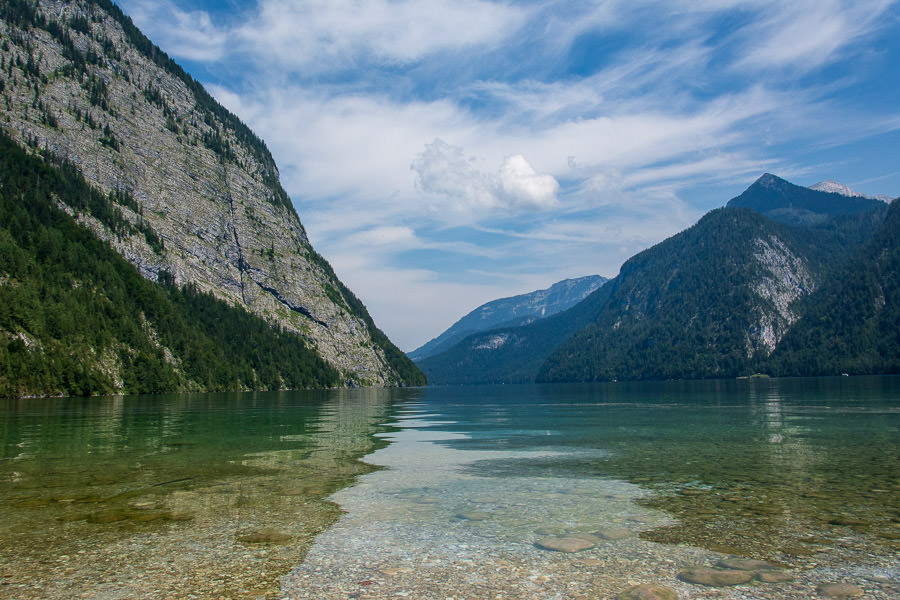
82, 85
783, 277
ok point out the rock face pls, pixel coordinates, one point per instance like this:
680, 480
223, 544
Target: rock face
82, 84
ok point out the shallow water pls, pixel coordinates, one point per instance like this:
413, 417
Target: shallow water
205, 495
804, 474
222, 495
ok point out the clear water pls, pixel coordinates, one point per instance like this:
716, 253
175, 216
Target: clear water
167, 496
161, 496
666, 476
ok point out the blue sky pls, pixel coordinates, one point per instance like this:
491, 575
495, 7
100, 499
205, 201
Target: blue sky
444, 153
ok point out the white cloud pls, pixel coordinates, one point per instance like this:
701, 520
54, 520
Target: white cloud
806, 34
184, 34
318, 35
525, 188
444, 171
561, 175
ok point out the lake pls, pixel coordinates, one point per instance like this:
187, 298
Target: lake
563, 491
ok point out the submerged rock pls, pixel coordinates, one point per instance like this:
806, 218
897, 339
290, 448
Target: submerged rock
565, 543
839, 590
715, 577
648, 592
614, 533
264, 536
747, 564
774, 577
474, 515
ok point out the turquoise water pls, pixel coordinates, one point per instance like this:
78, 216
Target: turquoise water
221, 495
662, 477
166, 496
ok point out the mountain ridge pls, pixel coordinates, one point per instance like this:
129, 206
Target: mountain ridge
81, 83
715, 300
512, 311
791, 204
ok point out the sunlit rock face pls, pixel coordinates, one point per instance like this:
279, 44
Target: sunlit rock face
83, 85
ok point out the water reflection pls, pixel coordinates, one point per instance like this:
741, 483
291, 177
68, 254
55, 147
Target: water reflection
763, 467
97, 491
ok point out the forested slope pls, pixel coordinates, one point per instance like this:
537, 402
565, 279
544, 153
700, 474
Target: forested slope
76, 318
852, 324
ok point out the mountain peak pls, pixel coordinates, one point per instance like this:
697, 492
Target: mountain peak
833, 187
788, 203
769, 180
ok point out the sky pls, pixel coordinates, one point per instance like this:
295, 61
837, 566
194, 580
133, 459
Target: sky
445, 153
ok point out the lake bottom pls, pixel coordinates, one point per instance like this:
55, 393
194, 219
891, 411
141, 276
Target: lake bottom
451, 517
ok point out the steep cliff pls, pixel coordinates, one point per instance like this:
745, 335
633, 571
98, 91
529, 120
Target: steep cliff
82, 85
852, 323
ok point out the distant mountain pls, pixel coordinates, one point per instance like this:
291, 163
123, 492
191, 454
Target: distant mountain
509, 312
833, 187
715, 300
791, 204
852, 323
511, 354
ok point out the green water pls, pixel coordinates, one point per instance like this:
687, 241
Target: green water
221, 495
96, 491
767, 468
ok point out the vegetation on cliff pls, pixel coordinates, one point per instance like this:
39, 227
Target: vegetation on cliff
76, 318
183, 189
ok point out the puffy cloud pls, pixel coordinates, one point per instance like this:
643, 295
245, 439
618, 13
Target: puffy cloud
444, 171
525, 188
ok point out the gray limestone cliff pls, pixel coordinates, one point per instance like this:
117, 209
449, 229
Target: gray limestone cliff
82, 84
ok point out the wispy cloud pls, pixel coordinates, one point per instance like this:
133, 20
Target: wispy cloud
549, 138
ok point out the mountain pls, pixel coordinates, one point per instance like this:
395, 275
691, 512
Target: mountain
198, 191
852, 323
715, 300
795, 205
700, 304
516, 310
833, 187
78, 319
511, 354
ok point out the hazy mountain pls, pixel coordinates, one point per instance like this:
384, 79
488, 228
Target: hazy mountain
511, 354
80, 86
513, 311
795, 205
